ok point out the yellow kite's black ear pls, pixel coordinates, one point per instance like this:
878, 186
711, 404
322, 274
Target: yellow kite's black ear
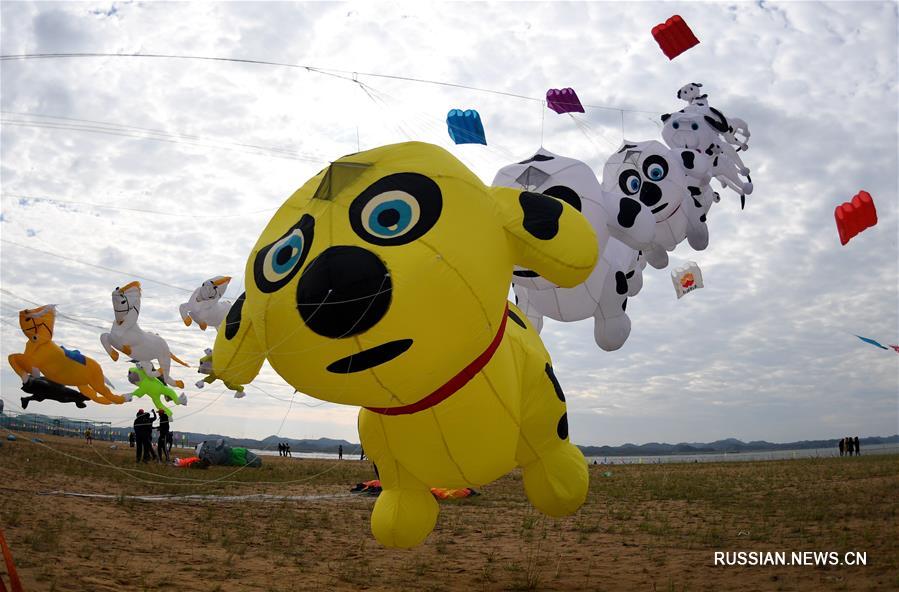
238, 354
548, 236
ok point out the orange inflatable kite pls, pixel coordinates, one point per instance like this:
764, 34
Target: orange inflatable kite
58, 364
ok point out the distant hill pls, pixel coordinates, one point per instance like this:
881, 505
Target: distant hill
76, 428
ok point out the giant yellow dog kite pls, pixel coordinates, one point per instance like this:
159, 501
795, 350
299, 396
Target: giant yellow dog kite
382, 283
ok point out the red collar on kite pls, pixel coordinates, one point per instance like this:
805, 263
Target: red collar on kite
453, 384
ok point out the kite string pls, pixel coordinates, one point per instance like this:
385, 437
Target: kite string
127, 209
543, 107
437, 126
589, 132
148, 279
111, 131
336, 73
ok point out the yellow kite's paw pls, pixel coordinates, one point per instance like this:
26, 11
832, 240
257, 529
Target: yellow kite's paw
557, 483
404, 517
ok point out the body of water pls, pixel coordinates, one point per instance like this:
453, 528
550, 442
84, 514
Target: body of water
660, 459
295, 454
740, 456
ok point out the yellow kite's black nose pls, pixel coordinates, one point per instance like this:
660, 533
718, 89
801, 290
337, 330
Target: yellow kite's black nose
344, 291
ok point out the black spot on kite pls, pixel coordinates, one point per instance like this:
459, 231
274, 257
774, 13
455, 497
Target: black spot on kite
516, 319
627, 212
552, 378
232, 320
541, 215
562, 428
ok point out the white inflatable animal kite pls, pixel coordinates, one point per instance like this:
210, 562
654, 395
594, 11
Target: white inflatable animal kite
127, 337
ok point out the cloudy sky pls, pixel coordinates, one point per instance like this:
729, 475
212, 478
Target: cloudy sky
166, 170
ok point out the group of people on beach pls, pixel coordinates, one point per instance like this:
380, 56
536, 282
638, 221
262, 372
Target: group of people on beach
284, 450
848, 444
142, 436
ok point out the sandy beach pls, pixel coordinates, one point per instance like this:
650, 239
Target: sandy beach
293, 525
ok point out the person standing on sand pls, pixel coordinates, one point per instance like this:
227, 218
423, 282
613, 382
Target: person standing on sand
361, 452
857, 451
849, 445
842, 445
340, 452
287, 449
143, 428
140, 421
280, 449
131, 439
164, 427
89, 436
150, 446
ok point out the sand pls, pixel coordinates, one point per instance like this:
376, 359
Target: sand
645, 527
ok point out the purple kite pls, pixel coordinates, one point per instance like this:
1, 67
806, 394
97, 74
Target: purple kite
563, 100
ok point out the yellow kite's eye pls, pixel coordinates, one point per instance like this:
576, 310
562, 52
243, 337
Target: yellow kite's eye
396, 209
283, 257
276, 264
391, 214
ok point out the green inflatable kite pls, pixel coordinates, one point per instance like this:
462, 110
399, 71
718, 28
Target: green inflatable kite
154, 388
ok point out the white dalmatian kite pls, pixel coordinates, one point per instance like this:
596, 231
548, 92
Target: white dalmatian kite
701, 132
622, 225
737, 133
652, 173
691, 93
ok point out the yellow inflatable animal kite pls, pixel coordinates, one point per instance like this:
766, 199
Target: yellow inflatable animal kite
382, 283
57, 364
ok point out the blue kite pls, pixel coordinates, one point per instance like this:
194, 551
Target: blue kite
872, 342
465, 127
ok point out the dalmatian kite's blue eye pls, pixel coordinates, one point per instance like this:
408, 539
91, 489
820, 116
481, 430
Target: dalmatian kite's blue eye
390, 214
276, 264
629, 181
675, 125
655, 168
396, 209
694, 126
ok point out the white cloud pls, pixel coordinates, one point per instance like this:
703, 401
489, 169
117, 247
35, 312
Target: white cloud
765, 351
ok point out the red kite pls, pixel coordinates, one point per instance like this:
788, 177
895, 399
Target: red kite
674, 36
854, 216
